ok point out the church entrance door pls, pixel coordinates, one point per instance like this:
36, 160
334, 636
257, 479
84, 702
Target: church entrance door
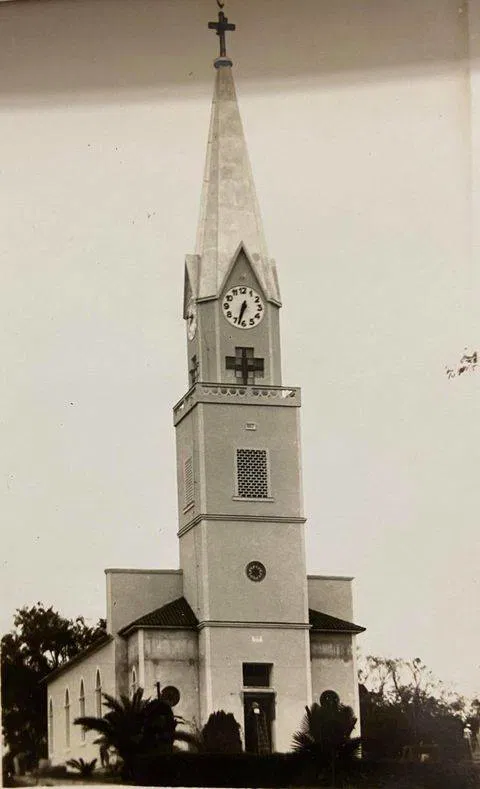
259, 714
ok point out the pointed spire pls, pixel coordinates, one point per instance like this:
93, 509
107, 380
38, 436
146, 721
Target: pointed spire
229, 214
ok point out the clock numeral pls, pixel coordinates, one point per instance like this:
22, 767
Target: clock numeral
235, 291
251, 322
257, 299
259, 308
257, 316
235, 320
229, 314
226, 306
242, 291
243, 323
229, 297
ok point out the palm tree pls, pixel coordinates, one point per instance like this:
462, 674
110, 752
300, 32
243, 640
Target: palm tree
84, 768
324, 735
135, 728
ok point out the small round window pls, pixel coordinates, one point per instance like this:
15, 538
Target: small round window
255, 571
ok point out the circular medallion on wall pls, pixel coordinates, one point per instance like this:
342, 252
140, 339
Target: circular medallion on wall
255, 571
171, 695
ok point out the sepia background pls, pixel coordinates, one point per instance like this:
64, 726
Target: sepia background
363, 125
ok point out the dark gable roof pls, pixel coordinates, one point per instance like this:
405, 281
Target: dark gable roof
99, 642
176, 614
325, 623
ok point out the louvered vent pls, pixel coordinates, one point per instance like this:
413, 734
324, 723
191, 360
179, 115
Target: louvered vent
189, 494
252, 474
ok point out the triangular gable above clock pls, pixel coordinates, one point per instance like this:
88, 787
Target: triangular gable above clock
242, 266
194, 280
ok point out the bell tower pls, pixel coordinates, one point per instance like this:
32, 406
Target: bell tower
241, 524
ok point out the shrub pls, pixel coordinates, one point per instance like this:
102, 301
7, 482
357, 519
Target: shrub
55, 771
221, 734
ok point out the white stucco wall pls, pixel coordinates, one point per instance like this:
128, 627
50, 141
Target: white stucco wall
101, 660
222, 652
133, 593
331, 595
333, 659
171, 658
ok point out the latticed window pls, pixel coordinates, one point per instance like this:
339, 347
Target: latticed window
98, 695
246, 366
252, 474
189, 492
81, 700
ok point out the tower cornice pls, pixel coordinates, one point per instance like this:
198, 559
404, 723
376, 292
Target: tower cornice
280, 520
233, 394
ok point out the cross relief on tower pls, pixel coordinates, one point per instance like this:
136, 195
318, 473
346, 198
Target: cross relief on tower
247, 368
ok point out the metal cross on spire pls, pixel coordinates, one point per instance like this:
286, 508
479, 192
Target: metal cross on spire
221, 27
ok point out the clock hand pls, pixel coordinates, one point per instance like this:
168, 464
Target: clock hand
242, 310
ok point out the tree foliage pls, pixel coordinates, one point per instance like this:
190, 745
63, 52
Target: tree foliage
40, 641
403, 704
468, 363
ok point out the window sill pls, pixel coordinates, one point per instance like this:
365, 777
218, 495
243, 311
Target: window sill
244, 498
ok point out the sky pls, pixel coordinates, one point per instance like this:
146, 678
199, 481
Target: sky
362, 127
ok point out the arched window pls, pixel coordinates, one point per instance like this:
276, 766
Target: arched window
81, 700
134, 681
67, 718
98, 695
50, 726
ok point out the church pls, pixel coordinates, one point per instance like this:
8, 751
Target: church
240, 626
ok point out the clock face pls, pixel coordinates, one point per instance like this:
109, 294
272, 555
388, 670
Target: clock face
255, 571
191, 319
243, 307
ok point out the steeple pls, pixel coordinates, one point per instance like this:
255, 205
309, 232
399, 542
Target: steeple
231, 295
229, 214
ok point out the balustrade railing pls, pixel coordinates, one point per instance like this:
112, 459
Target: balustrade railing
214, 392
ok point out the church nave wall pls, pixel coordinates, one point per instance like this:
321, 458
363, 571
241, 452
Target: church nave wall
97, 673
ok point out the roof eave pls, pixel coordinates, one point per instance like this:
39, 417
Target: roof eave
77, 658
129, 629
353, 631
